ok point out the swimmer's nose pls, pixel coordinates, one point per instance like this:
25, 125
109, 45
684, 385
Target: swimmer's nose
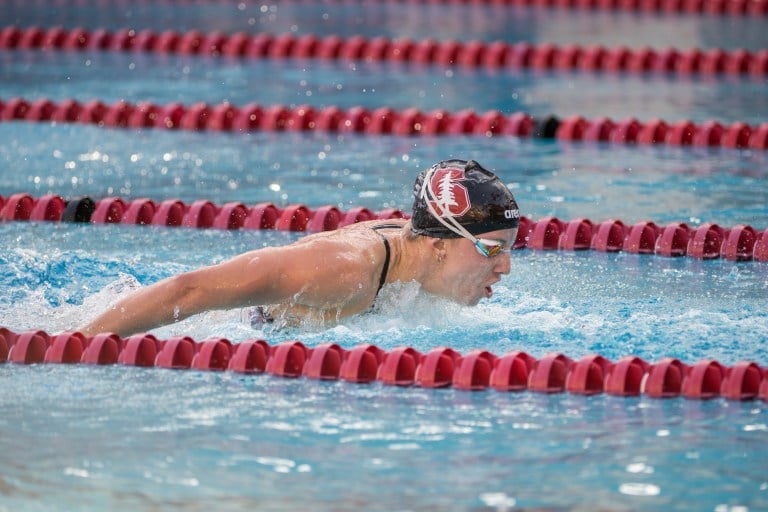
503, 264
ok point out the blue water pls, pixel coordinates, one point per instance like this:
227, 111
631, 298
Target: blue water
148, 439
141, 77
663, 183
116, 438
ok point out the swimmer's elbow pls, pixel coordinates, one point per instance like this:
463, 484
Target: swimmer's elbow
185, 295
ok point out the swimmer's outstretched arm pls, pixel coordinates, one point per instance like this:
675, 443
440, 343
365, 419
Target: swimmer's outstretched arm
318, 273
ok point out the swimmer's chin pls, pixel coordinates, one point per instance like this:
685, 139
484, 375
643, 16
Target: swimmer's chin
474, 301
487, 294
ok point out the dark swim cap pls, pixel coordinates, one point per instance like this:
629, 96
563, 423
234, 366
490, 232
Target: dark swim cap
465, 193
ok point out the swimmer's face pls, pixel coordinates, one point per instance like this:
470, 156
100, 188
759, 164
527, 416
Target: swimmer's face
468, 276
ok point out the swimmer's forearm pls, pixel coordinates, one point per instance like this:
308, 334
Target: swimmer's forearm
160, 304
265, 276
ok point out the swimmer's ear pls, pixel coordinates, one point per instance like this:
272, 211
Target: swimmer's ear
439, 248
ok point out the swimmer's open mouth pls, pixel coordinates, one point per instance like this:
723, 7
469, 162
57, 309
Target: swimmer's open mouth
488, 291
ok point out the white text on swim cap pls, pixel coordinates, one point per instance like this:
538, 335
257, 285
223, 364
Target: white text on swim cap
511, 214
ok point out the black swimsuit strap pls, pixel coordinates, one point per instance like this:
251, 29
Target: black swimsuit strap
387, 252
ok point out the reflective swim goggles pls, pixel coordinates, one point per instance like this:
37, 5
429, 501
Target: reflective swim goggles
486, 247
490, 248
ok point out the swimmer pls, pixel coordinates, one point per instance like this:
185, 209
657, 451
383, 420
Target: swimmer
456, 245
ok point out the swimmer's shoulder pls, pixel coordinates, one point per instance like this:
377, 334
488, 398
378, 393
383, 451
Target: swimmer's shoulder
378, 224
357, 233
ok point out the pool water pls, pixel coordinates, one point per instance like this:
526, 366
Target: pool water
120, 438
140, 77
131, 439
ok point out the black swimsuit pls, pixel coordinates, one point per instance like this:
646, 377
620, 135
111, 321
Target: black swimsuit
260, 315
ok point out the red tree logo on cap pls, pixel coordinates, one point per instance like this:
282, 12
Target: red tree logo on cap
451, 197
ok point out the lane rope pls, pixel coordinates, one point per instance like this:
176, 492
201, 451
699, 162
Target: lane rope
471, 54
226, 117
709, 7
706, 241
440, 367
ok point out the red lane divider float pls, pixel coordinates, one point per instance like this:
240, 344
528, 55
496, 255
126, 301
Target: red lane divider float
497, 54
175, 213
403, 366
707, 241
383, 121
710, 7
